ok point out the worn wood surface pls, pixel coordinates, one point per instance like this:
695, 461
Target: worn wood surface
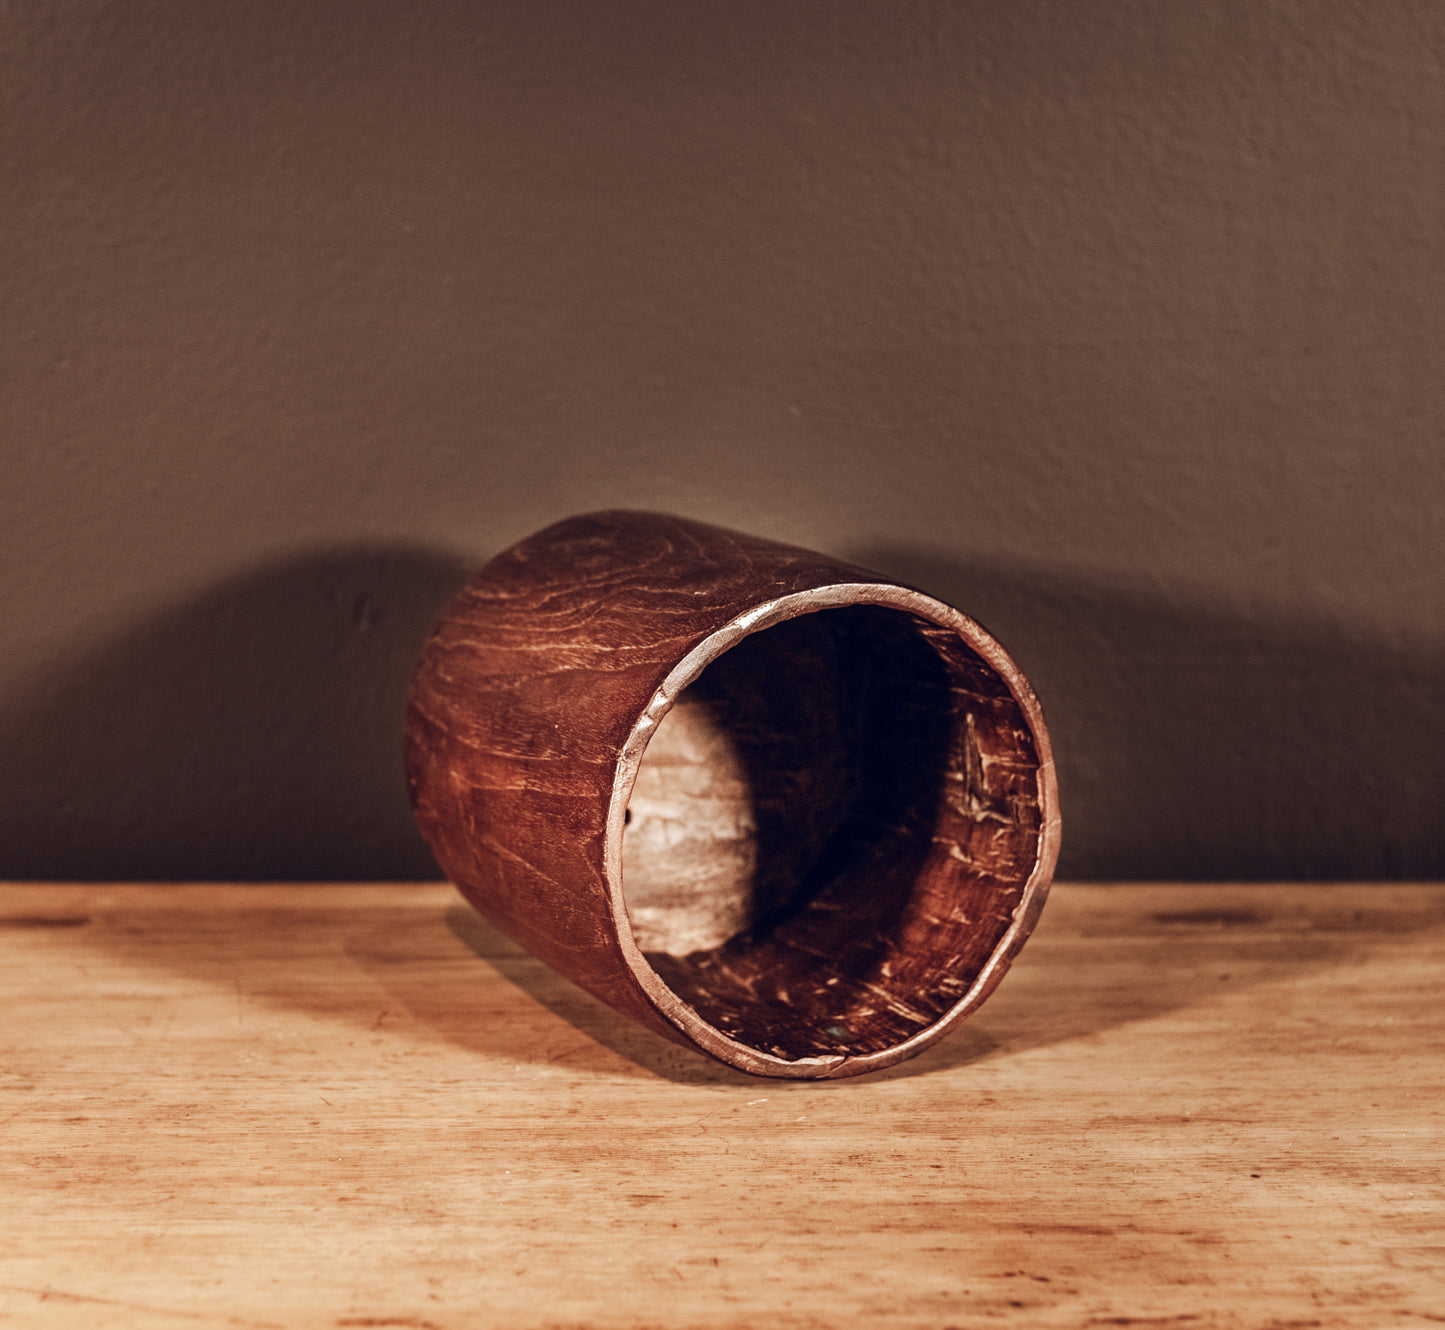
1201, 1106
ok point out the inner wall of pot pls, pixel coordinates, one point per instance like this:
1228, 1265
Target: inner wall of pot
830, 831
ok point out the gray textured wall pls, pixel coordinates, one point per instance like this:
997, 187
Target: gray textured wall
1120, 325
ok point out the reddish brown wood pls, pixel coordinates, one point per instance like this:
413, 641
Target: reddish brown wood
870, 763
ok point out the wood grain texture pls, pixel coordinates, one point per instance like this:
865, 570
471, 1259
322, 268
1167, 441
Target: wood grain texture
1213, 1107
901, 818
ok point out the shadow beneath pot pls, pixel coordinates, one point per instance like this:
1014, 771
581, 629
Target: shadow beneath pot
391, 964
1100, 959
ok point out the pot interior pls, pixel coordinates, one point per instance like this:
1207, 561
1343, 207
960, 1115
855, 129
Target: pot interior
830, 831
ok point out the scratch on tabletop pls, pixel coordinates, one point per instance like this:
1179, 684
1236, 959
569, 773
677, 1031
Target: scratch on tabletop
414, 1322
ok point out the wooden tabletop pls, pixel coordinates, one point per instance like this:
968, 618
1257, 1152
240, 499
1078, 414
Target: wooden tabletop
1188, 1106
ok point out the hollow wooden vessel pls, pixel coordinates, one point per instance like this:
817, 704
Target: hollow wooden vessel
776, 807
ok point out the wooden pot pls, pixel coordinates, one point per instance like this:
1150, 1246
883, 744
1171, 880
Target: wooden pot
776, 807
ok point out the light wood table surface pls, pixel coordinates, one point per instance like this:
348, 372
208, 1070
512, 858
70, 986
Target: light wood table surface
1188, 1106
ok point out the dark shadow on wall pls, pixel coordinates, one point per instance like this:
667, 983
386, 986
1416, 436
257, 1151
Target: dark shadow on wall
253, 733
1195, 744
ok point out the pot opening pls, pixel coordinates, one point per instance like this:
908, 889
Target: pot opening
830, 831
